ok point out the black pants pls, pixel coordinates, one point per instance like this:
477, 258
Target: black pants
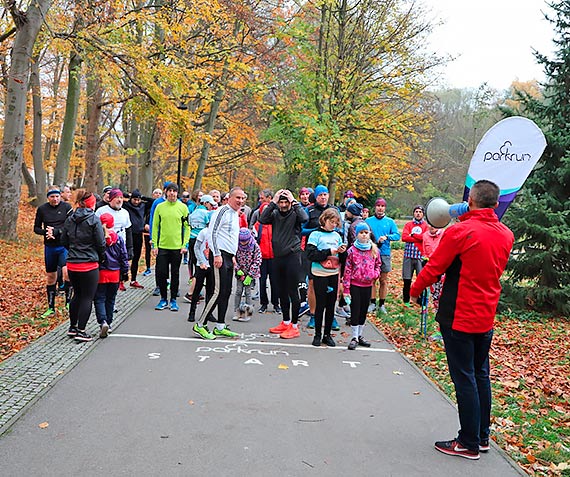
192, 263
147, 250
84, 288
267, 271
165, 260
222, 279
201, 276
287, 270
359, 301
137, 249
326, 289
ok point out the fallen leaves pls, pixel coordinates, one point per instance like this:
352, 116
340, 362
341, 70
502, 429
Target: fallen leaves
43, 425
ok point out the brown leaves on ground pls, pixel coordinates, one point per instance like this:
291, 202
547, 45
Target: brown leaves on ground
23, 288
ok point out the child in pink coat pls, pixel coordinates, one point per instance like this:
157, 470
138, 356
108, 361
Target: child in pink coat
362, 269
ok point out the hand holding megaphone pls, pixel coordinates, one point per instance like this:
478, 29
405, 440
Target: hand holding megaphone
439, 213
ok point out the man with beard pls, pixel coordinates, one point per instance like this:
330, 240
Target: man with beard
384, 231
286, 216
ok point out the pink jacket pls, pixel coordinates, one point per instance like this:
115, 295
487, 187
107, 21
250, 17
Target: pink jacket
361, 269
431, 242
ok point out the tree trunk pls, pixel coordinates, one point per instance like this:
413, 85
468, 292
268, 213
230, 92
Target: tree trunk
69, 121
28, 26
94, 97
36, 186
146, 176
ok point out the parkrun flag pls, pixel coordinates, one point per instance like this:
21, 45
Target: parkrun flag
506, 155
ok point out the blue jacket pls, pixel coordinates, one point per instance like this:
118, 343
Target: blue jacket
116, 257
380, 227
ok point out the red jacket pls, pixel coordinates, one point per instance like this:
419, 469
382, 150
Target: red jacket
473, 255
416, 239
264, 236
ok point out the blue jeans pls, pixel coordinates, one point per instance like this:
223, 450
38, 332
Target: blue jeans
105, 302
468, 361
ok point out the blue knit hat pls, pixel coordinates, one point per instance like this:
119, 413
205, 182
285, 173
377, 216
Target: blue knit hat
361, 226
321, 189
355, 208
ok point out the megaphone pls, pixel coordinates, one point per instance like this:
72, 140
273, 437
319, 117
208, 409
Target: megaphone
439, 213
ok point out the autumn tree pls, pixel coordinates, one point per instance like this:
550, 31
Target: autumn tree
540, 267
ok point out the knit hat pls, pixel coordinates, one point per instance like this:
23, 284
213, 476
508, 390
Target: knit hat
172, 186
304, 190
380, 201
107, 189
136, 194
166, 184
246, 240
115, 193
321, 189
349, 193
108, 220
420, 207
53, 191
360, 226
355, 209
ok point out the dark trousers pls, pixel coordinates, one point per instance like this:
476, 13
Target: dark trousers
147, 250
84, 288
191, 258
359, 301
168, 263
468, 361
222, 279
287, 271
202, 276
137, 249
267, 271
326, 289
105, 302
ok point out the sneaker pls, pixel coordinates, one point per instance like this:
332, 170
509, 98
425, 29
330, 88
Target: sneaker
277, 309
316, 341
455, 448
353, 344
203, 332
48, 312
304, 309
110, 330
225, 332
280, 328
363, 342
185, 261
104, 330
372, 308
122, 286
156, 292
174, 305
188, 298
162, 305
136, 284
335, 326
72, 331
242, 319
147, 272
290, 333
484, 445
329, 341
341, 313
311, 324
192, 316
83, 337
383, 310
262, 309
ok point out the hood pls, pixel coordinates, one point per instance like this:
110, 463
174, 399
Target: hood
81, 214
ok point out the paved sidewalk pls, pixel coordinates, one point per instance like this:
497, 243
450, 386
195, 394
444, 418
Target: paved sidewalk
152, 399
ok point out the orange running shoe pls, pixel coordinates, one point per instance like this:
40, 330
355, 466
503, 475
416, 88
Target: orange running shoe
280, 328
290, 332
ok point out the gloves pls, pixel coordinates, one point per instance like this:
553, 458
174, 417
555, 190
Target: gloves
247, 281
240, 273
347, 299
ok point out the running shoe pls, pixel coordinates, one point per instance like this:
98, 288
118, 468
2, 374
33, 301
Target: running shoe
262, 309
372, 308
162, 305
290, 333
353, 344
341, 313
82, 337
48, 312
383, 310
72, 331
304, 309
203, 332
104, 330
174, 305
453, 447
136, 284
335, 325
280, 328
311, 323
122, 286
225, 332
188, 298
147, 272
156, 292
363, 342
329, 341
484, 445
277, 309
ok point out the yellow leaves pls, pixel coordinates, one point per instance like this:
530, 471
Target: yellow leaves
43, 425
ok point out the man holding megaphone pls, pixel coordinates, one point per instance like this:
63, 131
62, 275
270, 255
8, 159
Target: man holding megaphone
473, 255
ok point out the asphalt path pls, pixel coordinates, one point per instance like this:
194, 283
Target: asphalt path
152, 400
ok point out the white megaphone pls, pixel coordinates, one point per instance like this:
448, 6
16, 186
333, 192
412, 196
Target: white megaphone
439, 213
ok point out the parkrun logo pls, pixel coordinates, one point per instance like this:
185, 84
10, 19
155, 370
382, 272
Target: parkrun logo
504, 155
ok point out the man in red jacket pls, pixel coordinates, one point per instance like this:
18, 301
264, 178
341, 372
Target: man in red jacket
473, 255
412, 235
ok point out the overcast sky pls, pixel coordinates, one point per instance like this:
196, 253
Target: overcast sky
492, 40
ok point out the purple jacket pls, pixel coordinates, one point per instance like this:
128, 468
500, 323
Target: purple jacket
116, 257
361, 269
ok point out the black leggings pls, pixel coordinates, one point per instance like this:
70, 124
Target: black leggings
137, 249
326, 289
223, 278
84, 288
359, 301
287, 270
147, 250
201, 276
